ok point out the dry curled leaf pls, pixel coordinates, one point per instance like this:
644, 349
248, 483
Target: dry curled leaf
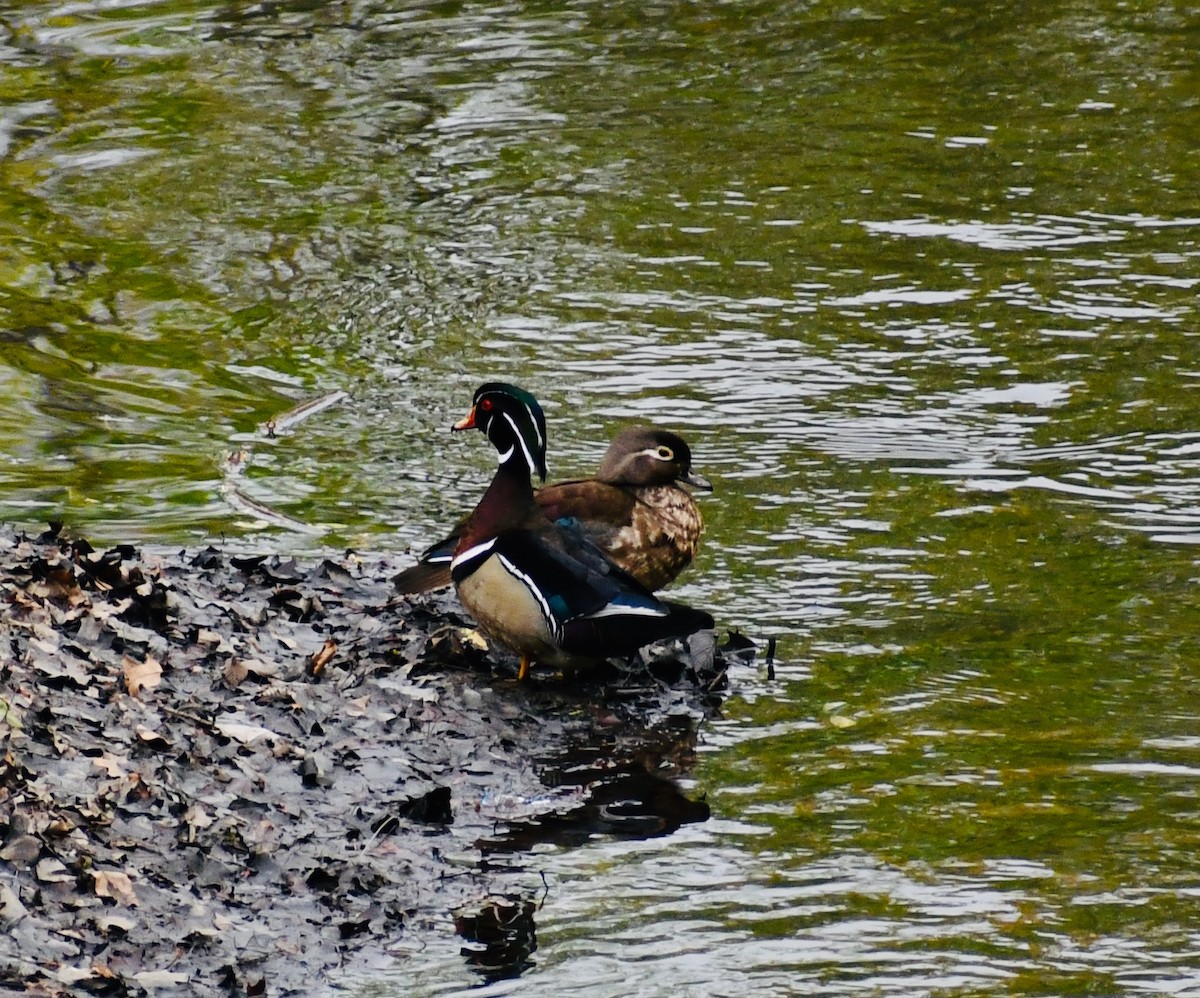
150, 979
111, 764
141, 675
10, 715
11, 909
151, 738
196, 818
236, 670
242, 732
114, 923
316, 664
234, 673
73, 975
21, 849
53, 871
114, 884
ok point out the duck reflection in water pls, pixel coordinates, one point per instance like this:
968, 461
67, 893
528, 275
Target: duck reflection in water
625, 785
625, 793
501, 938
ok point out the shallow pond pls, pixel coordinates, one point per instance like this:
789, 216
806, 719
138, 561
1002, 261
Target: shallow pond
918, 283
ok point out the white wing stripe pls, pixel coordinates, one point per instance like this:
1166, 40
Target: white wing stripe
617, 610
472, 553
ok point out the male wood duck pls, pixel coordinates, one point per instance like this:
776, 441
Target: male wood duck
635, 510
540, 587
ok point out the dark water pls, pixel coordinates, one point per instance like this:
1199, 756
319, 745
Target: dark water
917, 282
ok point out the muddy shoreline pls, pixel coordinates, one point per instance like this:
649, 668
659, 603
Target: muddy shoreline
244, 775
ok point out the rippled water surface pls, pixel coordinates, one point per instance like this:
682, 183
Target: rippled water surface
919, 284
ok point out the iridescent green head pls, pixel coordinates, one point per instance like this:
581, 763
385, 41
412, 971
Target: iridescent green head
514, 423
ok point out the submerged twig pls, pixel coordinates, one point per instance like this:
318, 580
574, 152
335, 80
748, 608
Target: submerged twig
297, 414
233, 468
235, 464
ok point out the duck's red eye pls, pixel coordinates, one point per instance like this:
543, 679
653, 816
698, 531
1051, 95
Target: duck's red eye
485, 405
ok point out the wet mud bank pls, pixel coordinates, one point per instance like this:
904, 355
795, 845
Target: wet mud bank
247, 775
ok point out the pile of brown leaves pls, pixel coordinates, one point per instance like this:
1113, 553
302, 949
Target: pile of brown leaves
225, 773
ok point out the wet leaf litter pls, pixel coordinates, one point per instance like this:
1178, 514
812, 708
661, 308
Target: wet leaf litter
231, 774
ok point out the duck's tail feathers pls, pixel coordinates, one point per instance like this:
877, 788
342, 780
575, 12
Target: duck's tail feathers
622, 633
423, 577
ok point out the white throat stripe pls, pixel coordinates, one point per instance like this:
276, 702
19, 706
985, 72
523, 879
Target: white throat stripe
521, 440
533, 420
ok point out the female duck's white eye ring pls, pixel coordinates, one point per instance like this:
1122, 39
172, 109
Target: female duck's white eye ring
664, 454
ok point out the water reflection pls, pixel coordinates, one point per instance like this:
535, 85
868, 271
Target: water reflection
611, 779
1046, 232
626, 797
501, 938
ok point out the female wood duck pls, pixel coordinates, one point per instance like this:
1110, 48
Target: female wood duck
635, 510
540, 587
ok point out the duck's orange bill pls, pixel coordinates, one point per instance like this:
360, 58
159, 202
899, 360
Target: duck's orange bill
467, 422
